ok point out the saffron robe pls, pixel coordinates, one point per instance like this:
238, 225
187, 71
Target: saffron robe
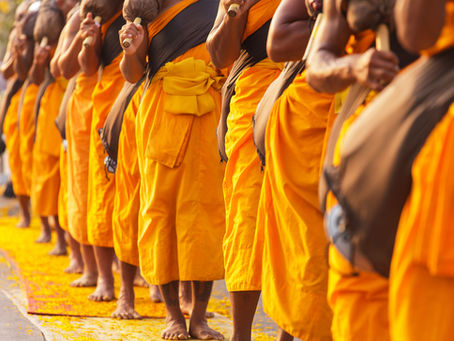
101, 186
243, 176
289, 222
422, 267
182, 213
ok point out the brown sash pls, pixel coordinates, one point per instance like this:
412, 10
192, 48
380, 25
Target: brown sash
373, 179
60, 120
12, 88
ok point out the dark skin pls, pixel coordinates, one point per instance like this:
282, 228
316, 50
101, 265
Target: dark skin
89, 57
224, 41
331, 71
419, 23
68, 63
133, 66
23, 50
41, 62
289, 32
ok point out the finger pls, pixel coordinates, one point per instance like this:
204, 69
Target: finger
388, 56
386, 65
383, 75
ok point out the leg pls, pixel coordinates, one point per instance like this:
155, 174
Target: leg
125, 303
90, 275
284, 336
45, 231
155, 294
244, 304
24, 208
105, 287
139, 281
176, 324
198, 327
60, 245
186, 297
76, 263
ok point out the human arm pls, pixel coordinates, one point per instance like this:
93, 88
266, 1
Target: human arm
23, 50
133, 64
68, 62
330, 70
40, 63
419, 22
289, 31
89, 56
224, 41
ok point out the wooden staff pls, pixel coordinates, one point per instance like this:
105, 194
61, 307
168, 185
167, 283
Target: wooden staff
44, 42
127, 42
382, 38
87, 41
233, 10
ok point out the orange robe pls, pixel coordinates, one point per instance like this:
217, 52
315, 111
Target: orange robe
101, 185
46, 152
243, 175
127, 187
422, 269
359, 303
182, 212
63, 193
27, 133
80, 108
11, 131
289, 222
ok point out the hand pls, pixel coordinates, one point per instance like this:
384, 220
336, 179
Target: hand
19, 45
135, 34
375, 69
89, 28
245, 5
41, 54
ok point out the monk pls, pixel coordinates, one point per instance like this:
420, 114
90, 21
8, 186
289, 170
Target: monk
79, 114
422, 268
359, 302
104, 50
181, 215
289, 222
9, 123
243, 177
69, 9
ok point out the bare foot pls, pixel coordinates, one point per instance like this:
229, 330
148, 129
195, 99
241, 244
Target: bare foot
43, 238
23, 223
201, 331
176, 330
139, 281
104, 292
59, 250
125, 310
87, 280
74, 267
155, 294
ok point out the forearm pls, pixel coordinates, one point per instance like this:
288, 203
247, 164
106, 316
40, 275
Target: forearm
224, 41
22, 65
419, 22
132, 67
37, 72
330, 74
7, 68
89, 60
68, 62
288, 41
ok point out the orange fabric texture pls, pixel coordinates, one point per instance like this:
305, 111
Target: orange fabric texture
127, 186
243, 178
27, 134
101, 185
46, 153
422, 270
289, 222
80, 108
181, 223
63, 193
11, 131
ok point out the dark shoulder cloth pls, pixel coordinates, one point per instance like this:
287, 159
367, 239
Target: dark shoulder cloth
188, 29
48, 80
110, 133
111, 47
60, 120
12, 88
379, 151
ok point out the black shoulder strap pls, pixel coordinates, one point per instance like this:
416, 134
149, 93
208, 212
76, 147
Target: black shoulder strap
60, 120
48, 80
12, 89
111, 47
186, 30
